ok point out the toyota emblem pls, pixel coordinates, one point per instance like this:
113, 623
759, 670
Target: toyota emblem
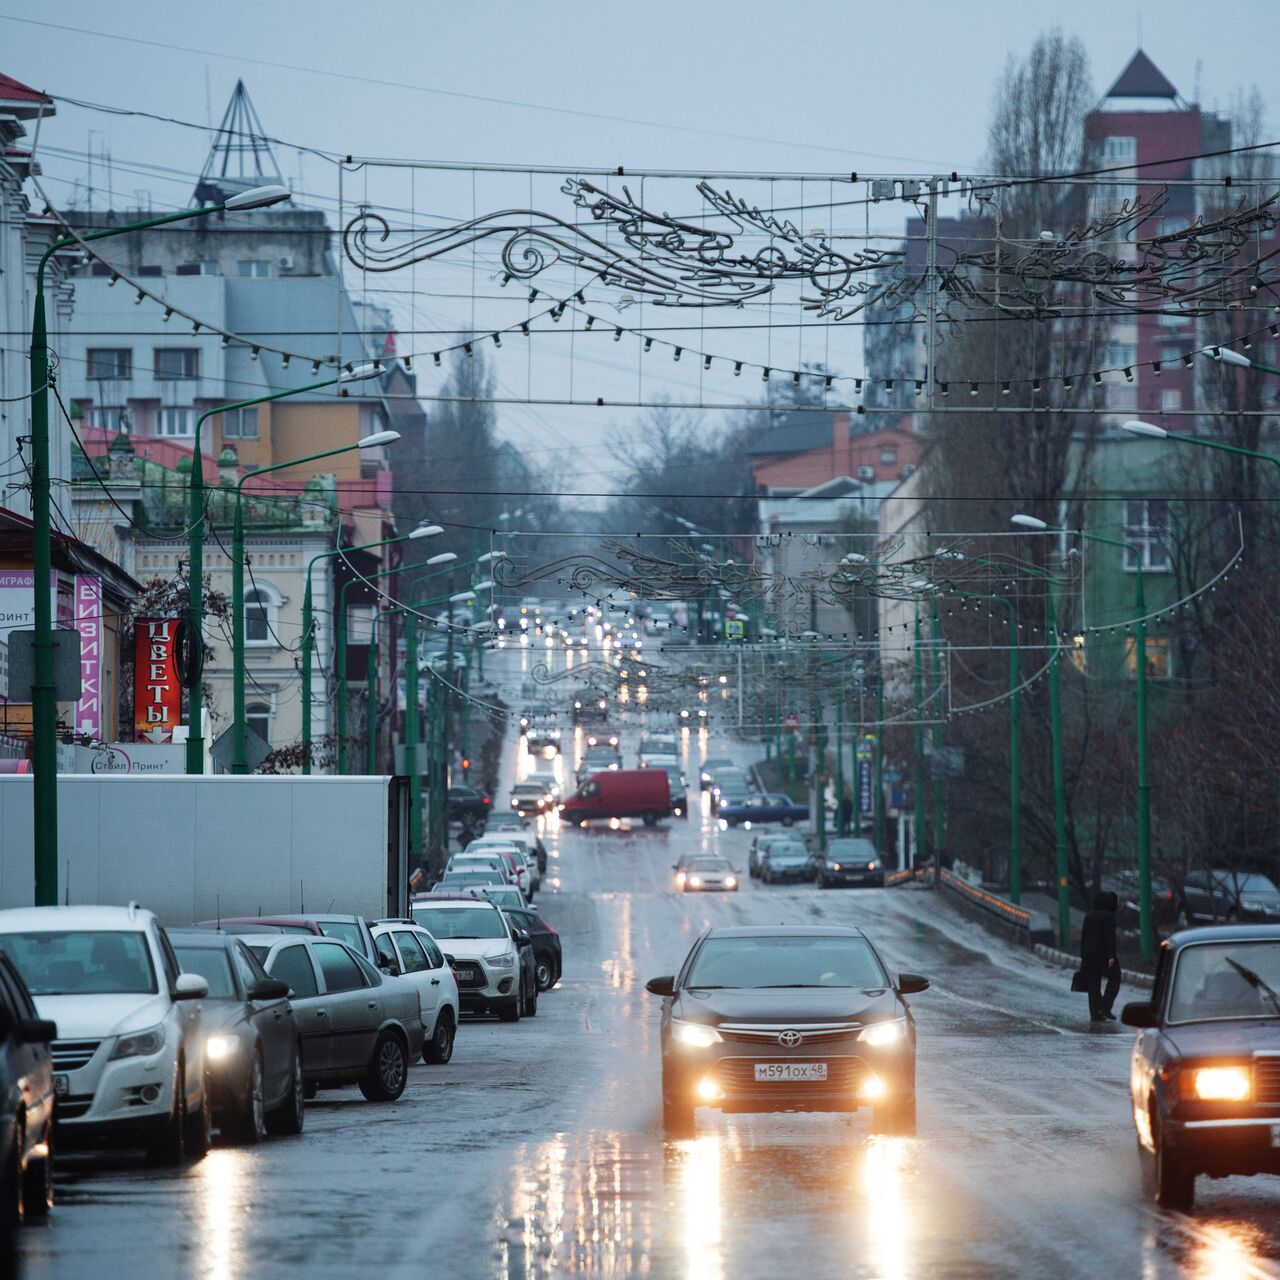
790, 1039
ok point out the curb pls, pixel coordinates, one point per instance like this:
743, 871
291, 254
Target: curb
1066, 961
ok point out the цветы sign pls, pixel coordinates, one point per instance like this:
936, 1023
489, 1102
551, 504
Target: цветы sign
157, 692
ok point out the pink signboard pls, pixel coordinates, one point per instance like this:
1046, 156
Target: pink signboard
87, 603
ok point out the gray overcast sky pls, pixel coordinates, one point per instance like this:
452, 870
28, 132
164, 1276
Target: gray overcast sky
819, 86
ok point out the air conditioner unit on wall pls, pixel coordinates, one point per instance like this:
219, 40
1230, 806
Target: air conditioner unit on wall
866, 473
285, 264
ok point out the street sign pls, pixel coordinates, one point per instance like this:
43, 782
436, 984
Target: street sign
256, 748
734, 628
946, 760
66, 665
791, 720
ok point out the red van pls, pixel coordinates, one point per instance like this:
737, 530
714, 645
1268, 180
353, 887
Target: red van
620, 793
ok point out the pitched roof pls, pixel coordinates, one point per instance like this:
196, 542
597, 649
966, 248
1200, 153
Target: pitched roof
798, 433
1142, 79
12, 90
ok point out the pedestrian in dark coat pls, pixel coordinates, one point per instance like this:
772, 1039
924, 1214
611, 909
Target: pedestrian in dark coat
1098, 959
844, 815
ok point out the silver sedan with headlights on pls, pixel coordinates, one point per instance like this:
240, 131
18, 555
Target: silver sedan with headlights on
707, 875
253, 1050
788, 1018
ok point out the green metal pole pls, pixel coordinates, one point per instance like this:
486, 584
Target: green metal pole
195, 608
340, 622
412, 733
1145, 921
371, 694
880, 763
919, 798
239, 757
44, 707
1015, 765
840, 761
306, 674
1059, 785
940, 781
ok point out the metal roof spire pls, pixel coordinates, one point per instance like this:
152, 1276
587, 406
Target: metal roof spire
240, 157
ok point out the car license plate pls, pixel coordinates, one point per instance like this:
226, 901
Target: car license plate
60, 1086
784, 1071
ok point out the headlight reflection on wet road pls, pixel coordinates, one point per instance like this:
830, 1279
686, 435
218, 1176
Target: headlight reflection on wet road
700, 1204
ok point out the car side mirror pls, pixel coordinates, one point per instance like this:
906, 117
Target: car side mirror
34, 1031
269, 989
1141, 1013
388, 966
190, 986
521, 937
664, 986
911, 983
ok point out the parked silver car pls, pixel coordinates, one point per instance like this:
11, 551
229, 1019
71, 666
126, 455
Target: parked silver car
358, 1026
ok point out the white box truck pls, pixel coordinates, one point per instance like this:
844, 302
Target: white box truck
193, 848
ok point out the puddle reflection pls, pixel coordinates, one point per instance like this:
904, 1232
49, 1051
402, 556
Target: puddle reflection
613, 1204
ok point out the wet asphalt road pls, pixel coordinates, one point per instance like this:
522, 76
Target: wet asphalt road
539, 1150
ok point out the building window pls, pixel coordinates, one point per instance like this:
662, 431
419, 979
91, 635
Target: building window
888, 457
204, 268
254, 267
261, 606
177, 362
177, 422
1122, 396
1121, 355
110, 418
1146, 526
1159, 665
110, 362
360, 623
257, 716
1170, 400
1117, 151
240, 424
1169, 353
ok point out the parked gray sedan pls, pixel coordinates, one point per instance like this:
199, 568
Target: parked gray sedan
358, 1026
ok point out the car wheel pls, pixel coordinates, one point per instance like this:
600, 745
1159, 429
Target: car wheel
896, 1116
14, 1199
677, 1119
199, 1129
388, 1071
310, 1089
546, 975
1175, 1183
37, 1182
788, 822
531, 1003
439, 1049
509, 1010
288, 1118
650, 819
249, 1124
167, 1147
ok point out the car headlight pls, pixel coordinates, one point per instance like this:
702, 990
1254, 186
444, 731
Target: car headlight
871, 866
679, 877
730, 882
882, 1033
219, 1048
139, 1043
695, 881
695, 1035
1221, 1084
504, 961
835, 866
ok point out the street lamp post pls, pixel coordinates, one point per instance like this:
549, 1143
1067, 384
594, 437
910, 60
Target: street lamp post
239, 758
195, 556
308, 638
44, 707
1145, 928
917, 836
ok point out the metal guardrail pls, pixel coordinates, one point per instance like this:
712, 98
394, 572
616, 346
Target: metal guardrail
905, 876
1030, 927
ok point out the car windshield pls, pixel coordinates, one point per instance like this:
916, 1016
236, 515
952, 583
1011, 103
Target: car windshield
851, 849
1220, 980
82, 962
709, 864
213, 965
345, 931
788, 853
459, 922
467, 878
804, 961
1246, 882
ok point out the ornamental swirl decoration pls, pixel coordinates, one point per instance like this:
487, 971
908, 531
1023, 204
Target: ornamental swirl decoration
1110, 258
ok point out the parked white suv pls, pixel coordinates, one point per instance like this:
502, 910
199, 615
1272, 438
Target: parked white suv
129, 1058
408, 951
523, 841
477, 942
